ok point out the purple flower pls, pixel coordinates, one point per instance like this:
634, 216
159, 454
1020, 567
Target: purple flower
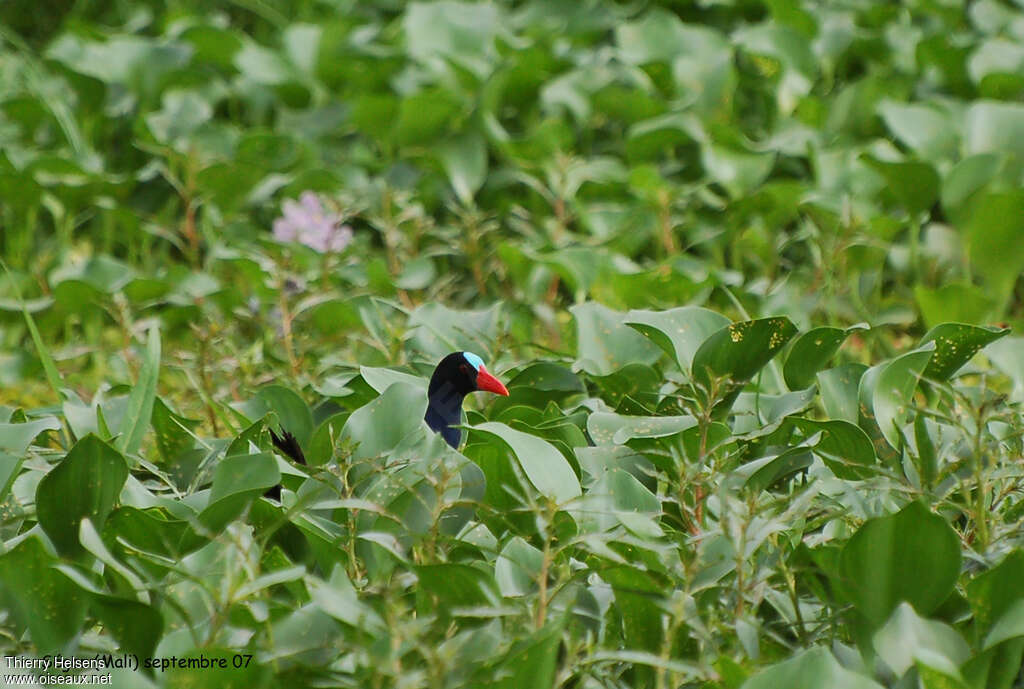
306, 221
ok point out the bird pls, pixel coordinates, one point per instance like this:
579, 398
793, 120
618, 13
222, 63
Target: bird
457, 375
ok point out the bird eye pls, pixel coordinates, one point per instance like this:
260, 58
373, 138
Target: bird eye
464, 368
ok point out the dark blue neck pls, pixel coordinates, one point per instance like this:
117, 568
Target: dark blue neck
444, 412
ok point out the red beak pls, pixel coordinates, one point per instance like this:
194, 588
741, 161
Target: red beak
485, 381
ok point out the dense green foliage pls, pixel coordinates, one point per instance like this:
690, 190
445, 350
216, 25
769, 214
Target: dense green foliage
738, 263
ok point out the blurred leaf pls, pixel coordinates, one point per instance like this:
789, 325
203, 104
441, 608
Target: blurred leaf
993, 239
679, 332
740, 350
615, 429
810, 669
955, 345
811, 352
604, 344
465, 162
517, 568
86, 483
912, 556
544, 466
137, 415
893, 395
907, 638
39, 597
954, 302
914, 183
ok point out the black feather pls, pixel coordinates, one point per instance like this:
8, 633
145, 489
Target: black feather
287, 444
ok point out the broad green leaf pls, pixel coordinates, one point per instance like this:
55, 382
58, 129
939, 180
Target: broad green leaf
292, 411
992, 127
547, 376
533, 663
914, 183
615, 429
993, 231
436, 330
384, 423
782, 467
380, 379
912, 556
955, 345
456, 585
86, 483
244, 474
465, 161
811, 352
992, 593
679, 332
39, 597
740, 350
517, 568
545, 467
339, 599
956, 302
811, 669
844, 447
1009, 625
139, 412
926, 129
136, 626
174, 433
604, 344
839, 391
893, 396
906, 639
16, 437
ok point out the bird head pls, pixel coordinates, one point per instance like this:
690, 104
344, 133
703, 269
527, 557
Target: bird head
458, 374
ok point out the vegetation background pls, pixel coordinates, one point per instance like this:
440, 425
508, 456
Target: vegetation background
749, 268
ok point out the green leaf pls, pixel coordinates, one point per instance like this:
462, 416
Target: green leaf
955, 302
955, 345
244, 474
137, 627
913, 556
679, 332
16, 437
906, 639
545, 467
86, 483
53, 376
381, 425
811, 669
914, 183
779, 468
456, 585
39, 597
844, 447
174, 433
1010, 625
738, 351
139, 411
838, 388
993, 231
604, 344
893, 394
292, 411
616, 429
465, 162
994, 592
532, 663
811, 352
518, 568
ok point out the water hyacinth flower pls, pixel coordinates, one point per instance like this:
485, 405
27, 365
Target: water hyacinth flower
306, 221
